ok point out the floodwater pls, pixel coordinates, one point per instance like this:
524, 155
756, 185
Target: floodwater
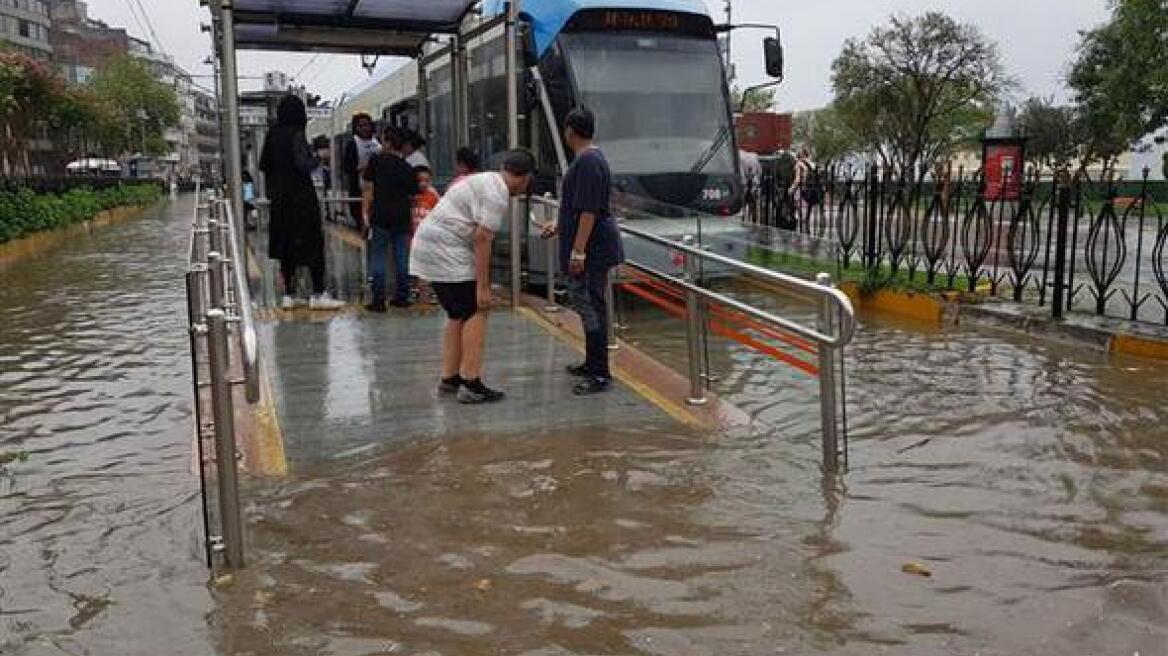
1028, 480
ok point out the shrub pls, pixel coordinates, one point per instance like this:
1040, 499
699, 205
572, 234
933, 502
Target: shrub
23, 211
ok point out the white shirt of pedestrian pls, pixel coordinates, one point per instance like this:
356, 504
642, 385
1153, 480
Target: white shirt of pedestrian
443, 248
418, 158
366, 148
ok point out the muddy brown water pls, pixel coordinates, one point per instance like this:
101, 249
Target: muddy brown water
1029, 479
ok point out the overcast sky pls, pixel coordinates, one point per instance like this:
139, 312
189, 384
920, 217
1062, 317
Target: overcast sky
1037, 38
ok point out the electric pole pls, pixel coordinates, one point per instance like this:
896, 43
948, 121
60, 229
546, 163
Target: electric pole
729, 62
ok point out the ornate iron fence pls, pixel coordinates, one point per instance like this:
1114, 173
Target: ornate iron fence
1107, 238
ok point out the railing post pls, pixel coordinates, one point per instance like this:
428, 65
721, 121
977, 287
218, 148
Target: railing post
224, 416
827, 383
610, 312
553, 245
216, 284
1063, 207
693, 331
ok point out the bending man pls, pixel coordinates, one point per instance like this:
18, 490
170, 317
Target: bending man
452, 251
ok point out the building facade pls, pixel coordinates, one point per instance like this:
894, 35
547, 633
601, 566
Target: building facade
25, 26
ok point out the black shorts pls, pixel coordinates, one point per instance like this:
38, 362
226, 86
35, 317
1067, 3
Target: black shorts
458, 299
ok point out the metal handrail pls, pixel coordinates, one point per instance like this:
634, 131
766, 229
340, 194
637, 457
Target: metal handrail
835, 313
788, 283
248, 343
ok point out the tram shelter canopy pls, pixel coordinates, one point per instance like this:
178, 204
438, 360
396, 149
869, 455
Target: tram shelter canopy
372, 27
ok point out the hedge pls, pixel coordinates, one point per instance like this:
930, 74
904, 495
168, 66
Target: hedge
23, 212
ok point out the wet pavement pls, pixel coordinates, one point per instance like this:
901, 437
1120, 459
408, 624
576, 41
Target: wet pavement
1028, 480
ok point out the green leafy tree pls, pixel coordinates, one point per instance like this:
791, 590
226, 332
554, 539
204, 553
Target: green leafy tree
918, 88
137, 108
1120, 73
1053, 133
826, 134
757, 100
29, 92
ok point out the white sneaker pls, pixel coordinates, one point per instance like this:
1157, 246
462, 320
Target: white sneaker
287, 302
324, 301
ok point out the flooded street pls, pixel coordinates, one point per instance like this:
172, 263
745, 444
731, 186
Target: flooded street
99, 525
1022, 485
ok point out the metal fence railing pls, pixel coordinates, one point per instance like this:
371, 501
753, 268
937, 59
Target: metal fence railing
224, 354
703, 308
1102, 243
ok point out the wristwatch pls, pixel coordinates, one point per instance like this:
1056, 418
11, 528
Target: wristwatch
577, 256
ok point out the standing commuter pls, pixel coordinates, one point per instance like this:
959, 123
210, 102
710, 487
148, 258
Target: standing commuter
452, 250
295, 236
358, 150
389, 189
590, 246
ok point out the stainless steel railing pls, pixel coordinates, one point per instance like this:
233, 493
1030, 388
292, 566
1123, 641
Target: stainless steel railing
218, 306
834, 329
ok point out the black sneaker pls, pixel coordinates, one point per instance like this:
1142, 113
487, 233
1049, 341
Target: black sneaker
592, 385
577, 370
474, 391
450, 386
376, 307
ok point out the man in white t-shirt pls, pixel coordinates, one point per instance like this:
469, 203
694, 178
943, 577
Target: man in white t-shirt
452, 251
412, 150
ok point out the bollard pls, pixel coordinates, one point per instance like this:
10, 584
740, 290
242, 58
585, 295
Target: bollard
827, 385
224, 419
693, 319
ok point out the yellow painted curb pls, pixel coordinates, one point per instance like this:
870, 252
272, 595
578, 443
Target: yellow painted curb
670, 408
1140, 346
913, 305
269, 436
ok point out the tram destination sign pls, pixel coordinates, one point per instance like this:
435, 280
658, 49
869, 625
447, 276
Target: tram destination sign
641, 20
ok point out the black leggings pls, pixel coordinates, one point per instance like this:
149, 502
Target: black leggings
288, 273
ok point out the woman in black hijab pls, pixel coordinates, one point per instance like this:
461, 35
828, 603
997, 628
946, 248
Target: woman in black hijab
295, 237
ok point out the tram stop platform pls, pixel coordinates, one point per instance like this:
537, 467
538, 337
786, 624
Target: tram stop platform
348, 384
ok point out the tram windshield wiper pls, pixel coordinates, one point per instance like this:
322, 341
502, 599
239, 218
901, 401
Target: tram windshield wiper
708, 154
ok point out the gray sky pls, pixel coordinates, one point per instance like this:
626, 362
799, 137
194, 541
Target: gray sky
1037, 38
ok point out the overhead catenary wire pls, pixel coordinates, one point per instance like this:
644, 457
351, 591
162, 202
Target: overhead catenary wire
150, 27
311, 61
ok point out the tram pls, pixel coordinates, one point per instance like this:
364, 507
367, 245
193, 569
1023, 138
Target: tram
650, 70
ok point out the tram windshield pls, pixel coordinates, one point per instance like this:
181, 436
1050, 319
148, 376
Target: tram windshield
659, 101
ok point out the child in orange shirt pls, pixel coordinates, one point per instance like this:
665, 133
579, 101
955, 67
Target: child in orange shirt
426, 199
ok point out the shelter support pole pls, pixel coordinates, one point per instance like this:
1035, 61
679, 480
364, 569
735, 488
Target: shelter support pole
423, 100
517, 218
230, 94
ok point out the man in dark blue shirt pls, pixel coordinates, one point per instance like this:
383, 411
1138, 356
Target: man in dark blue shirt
590, 246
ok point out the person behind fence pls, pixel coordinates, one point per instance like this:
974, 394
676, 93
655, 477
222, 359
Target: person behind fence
806, 188
389, 188
466, 162
590, 246
356, 156
452, 251
295, 236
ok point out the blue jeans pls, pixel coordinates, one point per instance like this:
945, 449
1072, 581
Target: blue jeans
587, 294
379, 246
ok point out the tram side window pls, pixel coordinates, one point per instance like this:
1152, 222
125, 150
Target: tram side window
488, 102
441, 147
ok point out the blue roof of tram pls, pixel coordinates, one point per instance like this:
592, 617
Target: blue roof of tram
391, 27
548, 17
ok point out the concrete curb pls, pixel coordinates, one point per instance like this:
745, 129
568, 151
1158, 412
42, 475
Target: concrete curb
37, 243
1105, 334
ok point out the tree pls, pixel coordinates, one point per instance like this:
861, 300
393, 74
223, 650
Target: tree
1053, 133
1120, 73
139, 108
28, 93
757, 100
918, 88
825, 133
